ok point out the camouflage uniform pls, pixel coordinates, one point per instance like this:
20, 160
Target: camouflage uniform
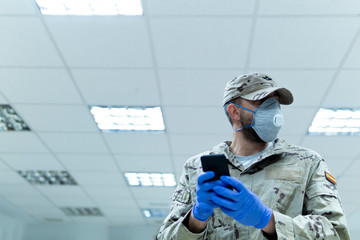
287, 178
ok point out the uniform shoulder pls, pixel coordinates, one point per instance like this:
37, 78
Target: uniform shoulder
193, 163
302, 152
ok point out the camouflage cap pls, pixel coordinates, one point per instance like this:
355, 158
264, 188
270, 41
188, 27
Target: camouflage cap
255, 86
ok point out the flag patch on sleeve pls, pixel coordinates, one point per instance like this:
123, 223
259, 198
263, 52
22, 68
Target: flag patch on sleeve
330, 178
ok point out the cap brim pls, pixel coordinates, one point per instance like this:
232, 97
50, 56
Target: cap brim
285, 96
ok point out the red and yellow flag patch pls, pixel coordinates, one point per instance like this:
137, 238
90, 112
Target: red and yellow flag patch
330, 178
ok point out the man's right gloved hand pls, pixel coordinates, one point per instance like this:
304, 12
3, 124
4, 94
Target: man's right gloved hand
204, 206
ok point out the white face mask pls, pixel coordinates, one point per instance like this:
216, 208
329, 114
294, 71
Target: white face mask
268, 119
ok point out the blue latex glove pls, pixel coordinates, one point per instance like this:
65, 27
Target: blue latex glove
244, 206
204, 207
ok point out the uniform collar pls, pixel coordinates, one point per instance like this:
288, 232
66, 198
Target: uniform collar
279, 147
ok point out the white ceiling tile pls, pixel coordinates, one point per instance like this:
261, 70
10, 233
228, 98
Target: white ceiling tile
57, 118
74, 142
44, 211
180, 160
307, 87
352, 168
145, 163
348, 197
96, 219
99, 178
197, 120
277, 45
353, 223
139, 143
127, 221
62, 191
29, 201
38, 86
32, 161
195, 144
291, 139
194, 87
107, 191
17, 7
24, 42
153, 193
3, 166
118, 87
200, 7
10, 190
88, 162
12, 177
349, 183
2, 99
107, 202
328, 147
72, 201
124, 211
20, 142
349, 208
338, 165
344, 92
306, 7
155, 202
352, 60
201, 42
295, 125
110, 41
110, 202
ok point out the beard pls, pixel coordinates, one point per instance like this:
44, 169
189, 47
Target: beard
249, 133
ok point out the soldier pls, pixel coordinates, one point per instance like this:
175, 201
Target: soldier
280, 191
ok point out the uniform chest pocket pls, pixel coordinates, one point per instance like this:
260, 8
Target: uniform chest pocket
287, 197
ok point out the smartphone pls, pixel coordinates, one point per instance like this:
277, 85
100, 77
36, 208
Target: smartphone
216, 163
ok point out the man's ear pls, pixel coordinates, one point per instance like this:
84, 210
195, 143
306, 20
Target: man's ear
233, 112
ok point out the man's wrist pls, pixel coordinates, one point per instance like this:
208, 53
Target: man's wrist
269, 229
194, 225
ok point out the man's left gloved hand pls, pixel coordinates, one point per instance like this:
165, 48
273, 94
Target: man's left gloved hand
244, 206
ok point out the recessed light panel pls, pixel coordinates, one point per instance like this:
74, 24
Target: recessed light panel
90, 7
336, 121
48, 177
113, 118
155, 213
10, 120
82, 211
150, 179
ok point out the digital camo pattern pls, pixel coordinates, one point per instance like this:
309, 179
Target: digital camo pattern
305, 204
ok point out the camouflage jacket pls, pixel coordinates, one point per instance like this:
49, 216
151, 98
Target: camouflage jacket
287, 178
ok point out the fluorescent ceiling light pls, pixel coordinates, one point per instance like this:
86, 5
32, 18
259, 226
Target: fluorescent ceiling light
155, 213
336, 121
82, 211
48, 177
90, 7
118, 118
10, 120
150, 179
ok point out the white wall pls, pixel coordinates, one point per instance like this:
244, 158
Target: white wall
134, 233
10, 229
66, 231
75, 231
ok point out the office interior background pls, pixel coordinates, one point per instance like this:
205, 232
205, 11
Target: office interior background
175, 56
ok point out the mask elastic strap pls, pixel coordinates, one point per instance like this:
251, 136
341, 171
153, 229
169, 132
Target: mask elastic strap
243, 128
244, 109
